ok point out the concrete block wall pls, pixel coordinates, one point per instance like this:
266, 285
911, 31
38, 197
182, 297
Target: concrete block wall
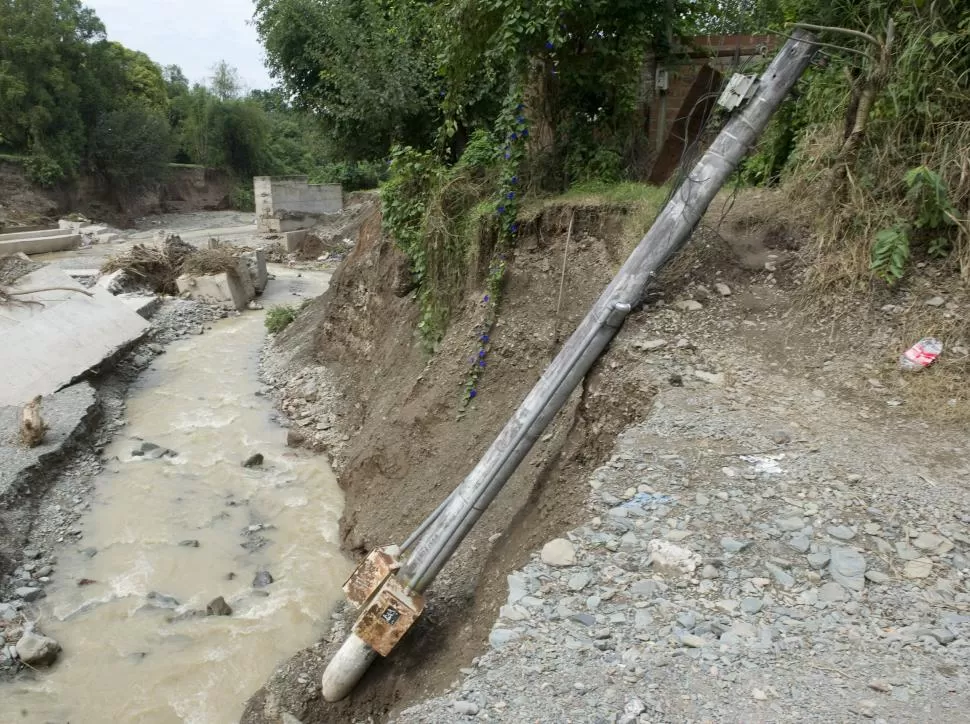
278, 197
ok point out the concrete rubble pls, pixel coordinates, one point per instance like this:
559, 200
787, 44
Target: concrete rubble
38, 242
53, 337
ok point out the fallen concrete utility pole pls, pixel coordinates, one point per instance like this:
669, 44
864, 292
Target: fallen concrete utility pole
389, 584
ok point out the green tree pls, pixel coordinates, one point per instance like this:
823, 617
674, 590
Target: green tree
43, 44
224, 82
130, 149
366, 69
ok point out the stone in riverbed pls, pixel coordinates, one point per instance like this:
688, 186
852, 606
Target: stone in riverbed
37, 650
842, 532
848, 567
30, 594
499, 637
254, 461
218, 607
751, 605
734, 546
919, 568
262, 579
160, 600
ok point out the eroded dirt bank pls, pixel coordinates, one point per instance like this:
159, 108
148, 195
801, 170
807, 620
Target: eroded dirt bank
401, 442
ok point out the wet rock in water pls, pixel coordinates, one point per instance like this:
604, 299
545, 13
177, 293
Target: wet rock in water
37, 650
86, 582
160, 600
218, 607
30, 594
254, 461
262, 579
151, 451
294, 437
89, 552
191, 543
31, 554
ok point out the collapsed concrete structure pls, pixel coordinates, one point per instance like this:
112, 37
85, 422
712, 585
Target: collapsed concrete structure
237, 287
54, 336
39, 242
288, 203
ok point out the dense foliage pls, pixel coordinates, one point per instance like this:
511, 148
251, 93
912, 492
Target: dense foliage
73, 102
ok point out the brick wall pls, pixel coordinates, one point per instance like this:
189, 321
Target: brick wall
695, 77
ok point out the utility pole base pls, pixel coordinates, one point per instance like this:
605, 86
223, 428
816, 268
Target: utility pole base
346, 668
388, 610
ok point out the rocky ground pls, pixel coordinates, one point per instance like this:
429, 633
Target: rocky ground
779, 541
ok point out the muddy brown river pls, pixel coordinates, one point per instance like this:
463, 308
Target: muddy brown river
135, 650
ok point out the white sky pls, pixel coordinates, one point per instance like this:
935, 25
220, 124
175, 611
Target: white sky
194, 34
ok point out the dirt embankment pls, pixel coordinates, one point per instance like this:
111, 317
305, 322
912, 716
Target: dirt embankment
411, 440
184, 189
401, 441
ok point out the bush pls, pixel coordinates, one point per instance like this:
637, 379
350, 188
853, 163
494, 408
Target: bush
43, 170
242, 198
279, 318
354, 176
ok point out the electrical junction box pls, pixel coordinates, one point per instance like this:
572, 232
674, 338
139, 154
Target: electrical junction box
739, 89
663, 79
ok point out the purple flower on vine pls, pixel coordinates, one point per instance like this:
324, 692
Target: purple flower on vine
510, 195
525, 131
513, 136
481, 354
518, 108
508, 155
514, 180
550, 45
485, 299
520, 120
514, 228
500, 210
481, 363
472, 394
484, 339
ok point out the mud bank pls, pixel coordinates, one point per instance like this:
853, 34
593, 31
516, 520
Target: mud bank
185, 189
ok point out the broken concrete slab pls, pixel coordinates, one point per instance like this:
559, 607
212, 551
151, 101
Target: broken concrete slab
38, 242
218, 288
83, 273
144, 304
258, 272
113, 282
52, 338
